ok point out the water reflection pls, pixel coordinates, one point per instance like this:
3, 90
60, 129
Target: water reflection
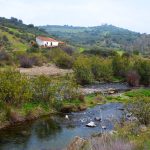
47, 128
55, 132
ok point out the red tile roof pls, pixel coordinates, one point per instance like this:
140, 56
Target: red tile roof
42, 38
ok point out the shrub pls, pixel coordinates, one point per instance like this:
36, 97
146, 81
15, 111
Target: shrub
43, 89
5, 58
133, 78
143, 68
34, 48
102, 69
64, 61
14, 88
140, 108
60, 58
25, 61
67, 89
82, 70
37, 59
121, 65
68, 49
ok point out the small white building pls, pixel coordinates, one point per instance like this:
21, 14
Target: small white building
47, 42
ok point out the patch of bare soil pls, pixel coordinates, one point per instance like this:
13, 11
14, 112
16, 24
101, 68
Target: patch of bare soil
50, 70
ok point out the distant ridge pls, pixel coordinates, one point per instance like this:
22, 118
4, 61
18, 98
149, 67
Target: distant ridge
104, 36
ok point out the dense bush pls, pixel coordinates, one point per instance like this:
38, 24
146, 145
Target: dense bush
14, 88
133, 78
102, 69
68, 49
60, 58
89, 69
140, 108
27, 61
143, 68
5, 58
82, 70
121, 65
43, 89
17, 89
64, 61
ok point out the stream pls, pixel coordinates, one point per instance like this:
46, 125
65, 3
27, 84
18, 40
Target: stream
55, 132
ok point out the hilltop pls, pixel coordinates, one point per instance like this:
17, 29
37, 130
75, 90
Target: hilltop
104, 36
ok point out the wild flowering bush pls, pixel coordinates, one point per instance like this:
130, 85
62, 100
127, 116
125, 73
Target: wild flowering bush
14, 88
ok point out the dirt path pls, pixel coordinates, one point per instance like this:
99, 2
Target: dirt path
51, 70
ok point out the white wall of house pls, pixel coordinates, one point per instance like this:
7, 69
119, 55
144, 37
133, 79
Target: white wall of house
46, 43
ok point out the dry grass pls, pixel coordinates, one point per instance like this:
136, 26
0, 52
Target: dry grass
51, 70
108, 143
105, 142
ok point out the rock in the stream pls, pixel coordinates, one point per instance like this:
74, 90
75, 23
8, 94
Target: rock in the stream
104, 127
112, 132
122, 109
67, 117
128, 115
77, 144
91, 124
111, 91
97, 119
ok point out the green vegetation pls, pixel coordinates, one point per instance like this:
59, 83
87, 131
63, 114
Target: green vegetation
21, 93
103, 37
138, 93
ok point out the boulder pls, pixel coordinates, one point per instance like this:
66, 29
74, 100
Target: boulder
91, 124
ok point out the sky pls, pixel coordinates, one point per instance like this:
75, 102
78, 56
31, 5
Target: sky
130, 14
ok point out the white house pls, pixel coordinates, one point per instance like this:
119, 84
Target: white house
47, 42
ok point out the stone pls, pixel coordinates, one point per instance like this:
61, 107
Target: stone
112, 132
128, 115
67, 117
111, 91
91, 124
97, 119
104, 127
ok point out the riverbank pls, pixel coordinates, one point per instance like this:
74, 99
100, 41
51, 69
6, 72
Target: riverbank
12, 115
30, 111
64, 129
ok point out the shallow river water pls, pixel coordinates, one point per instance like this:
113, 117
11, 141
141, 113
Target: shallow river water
55, 132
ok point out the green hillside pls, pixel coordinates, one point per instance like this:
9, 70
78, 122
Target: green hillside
105, 36
16, 36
